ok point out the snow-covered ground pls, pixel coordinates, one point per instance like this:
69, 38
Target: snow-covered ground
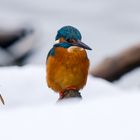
25, 86
107, 111
32, 110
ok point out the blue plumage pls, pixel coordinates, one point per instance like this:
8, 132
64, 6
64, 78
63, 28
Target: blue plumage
68, 32
63, 44
51, 53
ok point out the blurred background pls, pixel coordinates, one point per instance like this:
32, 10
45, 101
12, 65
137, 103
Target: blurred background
28, 29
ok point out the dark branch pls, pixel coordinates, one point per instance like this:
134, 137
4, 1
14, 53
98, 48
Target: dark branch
114, 67
71, 94
2, 100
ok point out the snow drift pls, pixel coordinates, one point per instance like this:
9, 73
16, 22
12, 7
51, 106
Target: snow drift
32, 111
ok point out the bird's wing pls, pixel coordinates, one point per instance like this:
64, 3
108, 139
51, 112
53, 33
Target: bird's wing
51, 53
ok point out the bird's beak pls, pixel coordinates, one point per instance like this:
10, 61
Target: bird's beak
82, 45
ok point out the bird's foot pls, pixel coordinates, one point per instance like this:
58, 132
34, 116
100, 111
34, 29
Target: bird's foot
70, 92
71, 88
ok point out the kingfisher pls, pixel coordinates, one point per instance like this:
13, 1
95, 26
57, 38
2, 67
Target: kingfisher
67, 63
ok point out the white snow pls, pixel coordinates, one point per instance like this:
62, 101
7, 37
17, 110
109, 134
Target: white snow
32, 110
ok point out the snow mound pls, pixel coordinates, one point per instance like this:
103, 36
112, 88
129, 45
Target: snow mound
32, 110
25, 86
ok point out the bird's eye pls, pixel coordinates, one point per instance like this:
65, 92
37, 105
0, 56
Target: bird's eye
70, 40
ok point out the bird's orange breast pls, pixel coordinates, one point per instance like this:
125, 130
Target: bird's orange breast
67, 68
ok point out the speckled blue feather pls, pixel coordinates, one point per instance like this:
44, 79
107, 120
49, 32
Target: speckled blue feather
68, 32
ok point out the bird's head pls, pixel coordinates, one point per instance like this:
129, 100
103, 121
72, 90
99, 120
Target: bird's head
71, 35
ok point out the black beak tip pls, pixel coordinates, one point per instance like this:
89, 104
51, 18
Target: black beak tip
83, 45
90, 49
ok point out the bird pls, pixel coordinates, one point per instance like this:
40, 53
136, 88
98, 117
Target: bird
67, 63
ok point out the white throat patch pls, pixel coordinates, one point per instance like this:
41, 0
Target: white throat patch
74, 48
57, 41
